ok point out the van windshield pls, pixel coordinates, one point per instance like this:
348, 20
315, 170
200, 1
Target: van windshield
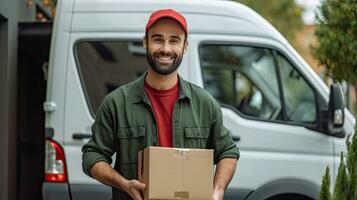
105, 65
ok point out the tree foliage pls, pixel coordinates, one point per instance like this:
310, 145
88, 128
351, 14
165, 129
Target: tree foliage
345, 185
325, 193
341, 191
337, 36
352, 167
284, 15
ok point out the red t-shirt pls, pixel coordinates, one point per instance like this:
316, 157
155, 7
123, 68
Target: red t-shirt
163, 102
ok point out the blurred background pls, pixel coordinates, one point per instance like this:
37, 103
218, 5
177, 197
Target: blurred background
25, 35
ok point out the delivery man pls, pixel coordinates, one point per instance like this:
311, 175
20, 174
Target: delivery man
158, 109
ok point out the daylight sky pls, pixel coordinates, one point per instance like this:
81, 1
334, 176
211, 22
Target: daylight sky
310, 6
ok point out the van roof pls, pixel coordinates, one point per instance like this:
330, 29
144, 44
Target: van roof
203, 16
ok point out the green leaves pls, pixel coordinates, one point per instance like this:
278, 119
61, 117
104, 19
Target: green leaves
284, 15
337, 36
345, 187
325, 193
342, 182
352, 167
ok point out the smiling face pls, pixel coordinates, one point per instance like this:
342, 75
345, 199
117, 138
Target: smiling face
165, 44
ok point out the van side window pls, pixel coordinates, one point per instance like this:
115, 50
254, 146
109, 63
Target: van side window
298, 95
243, 78
246, 79
105, 65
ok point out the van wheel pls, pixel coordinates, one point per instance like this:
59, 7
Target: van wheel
289, 197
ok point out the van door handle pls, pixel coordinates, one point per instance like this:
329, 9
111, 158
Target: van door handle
235, 138
80, 136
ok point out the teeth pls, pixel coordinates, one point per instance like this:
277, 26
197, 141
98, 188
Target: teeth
165, 58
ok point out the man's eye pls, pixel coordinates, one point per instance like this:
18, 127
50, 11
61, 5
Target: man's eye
157, 39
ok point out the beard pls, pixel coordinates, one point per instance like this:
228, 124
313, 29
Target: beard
163, 69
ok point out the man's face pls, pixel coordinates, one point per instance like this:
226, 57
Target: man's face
165, 45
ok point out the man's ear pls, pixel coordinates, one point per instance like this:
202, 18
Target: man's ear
145, 42
185, 46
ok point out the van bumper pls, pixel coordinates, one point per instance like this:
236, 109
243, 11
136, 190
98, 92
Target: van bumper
65, 191
55, 191
91, 192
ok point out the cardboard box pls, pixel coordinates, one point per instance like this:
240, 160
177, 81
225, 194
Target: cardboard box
171, 173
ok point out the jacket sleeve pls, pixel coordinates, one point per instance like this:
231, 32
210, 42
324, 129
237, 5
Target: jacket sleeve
221, 141
101, 145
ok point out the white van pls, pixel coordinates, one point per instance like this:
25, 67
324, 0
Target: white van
274, 105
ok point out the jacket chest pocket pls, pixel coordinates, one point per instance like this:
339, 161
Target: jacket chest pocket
131, 140
196, 137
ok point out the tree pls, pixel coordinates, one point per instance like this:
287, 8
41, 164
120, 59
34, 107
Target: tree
352, 167
325, 193
284, 15
337, 40
336, 50
337, 36
341, 191
345, 185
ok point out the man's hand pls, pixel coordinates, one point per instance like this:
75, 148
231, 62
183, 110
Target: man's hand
218, 194
223, 175
135, 189
104, 173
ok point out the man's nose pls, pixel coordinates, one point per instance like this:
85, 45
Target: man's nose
166, 47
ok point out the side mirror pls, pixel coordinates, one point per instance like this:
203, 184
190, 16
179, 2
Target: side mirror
336, 112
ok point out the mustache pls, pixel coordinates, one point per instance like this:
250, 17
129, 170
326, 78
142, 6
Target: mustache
163, 53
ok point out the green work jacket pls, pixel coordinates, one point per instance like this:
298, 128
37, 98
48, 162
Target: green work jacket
125, 124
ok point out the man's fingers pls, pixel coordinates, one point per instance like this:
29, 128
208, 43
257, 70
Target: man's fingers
140, 186
137, 195
136, 189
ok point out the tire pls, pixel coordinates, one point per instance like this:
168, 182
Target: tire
289, 197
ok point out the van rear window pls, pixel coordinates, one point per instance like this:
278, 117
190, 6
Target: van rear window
105, 65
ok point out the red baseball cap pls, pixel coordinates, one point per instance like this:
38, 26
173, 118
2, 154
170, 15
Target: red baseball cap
167, 13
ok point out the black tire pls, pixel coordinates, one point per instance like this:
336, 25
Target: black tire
289, 197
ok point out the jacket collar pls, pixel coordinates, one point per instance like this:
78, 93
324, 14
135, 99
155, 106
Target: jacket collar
139, 94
